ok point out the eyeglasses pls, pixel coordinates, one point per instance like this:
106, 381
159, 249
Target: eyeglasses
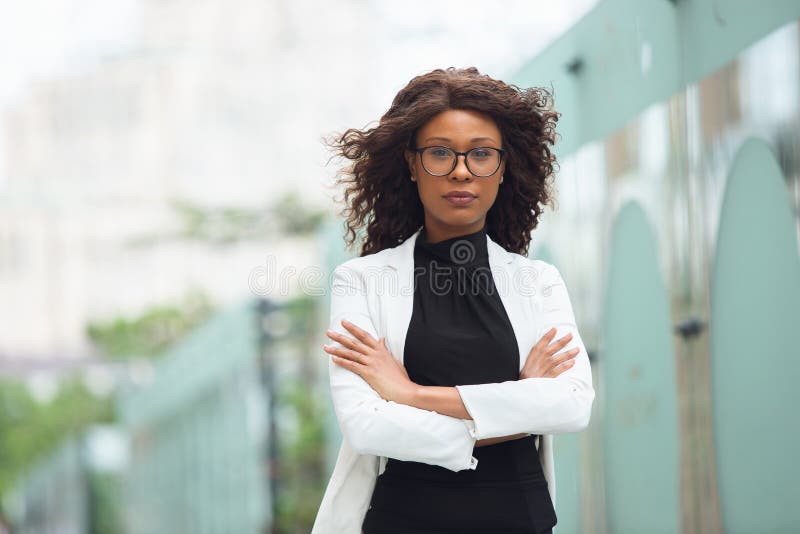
482, 161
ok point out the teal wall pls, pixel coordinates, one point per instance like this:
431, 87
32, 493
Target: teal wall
54, 496
677, 231
197, 434
638, 52
639, 390
755, 358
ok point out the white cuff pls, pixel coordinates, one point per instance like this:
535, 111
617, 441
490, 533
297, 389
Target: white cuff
473, 462
471, 426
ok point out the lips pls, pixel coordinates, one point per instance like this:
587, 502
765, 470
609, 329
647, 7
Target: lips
460, 194
460, 198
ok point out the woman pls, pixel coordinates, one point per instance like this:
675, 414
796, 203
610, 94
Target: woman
446, 370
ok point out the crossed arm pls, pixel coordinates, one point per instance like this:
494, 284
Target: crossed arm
447, 400
442, 425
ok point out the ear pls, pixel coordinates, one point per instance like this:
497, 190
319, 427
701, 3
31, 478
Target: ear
411, 159
501, 171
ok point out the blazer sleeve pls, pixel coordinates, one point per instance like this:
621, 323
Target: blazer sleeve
538, 405
375, 426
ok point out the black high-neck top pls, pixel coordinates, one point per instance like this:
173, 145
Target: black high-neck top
460, 334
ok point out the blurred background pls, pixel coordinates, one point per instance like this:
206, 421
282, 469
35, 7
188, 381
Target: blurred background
168, 224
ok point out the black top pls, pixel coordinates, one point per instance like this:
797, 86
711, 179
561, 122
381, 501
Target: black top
460, 334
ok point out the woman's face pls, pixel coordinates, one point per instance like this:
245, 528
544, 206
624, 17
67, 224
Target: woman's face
460, 130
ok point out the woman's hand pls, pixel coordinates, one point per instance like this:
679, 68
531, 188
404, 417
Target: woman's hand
371, 360
542, 362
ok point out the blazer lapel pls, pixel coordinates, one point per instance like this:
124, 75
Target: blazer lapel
505, 280
399, 297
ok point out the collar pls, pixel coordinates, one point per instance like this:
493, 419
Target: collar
402, 256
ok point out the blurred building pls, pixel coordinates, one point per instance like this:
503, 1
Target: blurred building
201, 109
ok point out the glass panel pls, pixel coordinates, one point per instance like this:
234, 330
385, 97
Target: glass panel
755, 304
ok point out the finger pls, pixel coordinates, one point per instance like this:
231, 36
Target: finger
348, 354
563, 367
357, 368
544, 350
361, 334
553, 372
557, 345
347, 341
567, 355
563, 360
543, 341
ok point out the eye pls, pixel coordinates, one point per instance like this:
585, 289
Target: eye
440, 152
481, 153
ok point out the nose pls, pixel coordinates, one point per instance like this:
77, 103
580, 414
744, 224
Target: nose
461, 170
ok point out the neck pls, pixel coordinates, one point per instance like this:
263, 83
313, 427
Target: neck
435, 232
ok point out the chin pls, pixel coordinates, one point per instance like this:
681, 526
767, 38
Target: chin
466, 217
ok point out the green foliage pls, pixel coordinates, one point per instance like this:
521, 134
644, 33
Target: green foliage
153, 331
302, 311
29, 430
287, 216
296, 219
302, 461
218, 225
301, 468
106, 495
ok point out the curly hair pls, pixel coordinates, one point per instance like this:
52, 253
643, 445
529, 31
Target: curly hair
378, 193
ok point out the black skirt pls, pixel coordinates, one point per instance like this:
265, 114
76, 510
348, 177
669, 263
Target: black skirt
506, 493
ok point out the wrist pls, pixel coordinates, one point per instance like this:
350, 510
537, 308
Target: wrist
412, 394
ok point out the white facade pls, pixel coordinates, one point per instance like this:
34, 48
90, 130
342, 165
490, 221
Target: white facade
203, 109
219, 103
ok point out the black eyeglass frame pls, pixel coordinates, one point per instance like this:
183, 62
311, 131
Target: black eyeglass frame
420, 150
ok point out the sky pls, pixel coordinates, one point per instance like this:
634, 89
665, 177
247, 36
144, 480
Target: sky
498, 37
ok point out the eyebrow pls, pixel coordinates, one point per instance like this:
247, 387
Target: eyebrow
473, 140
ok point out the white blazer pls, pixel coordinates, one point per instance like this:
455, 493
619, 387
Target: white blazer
376, 292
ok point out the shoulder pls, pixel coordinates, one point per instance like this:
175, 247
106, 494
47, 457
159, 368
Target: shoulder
530, 268
368, 273
535, 277
535, 268
383, 260
361, 264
